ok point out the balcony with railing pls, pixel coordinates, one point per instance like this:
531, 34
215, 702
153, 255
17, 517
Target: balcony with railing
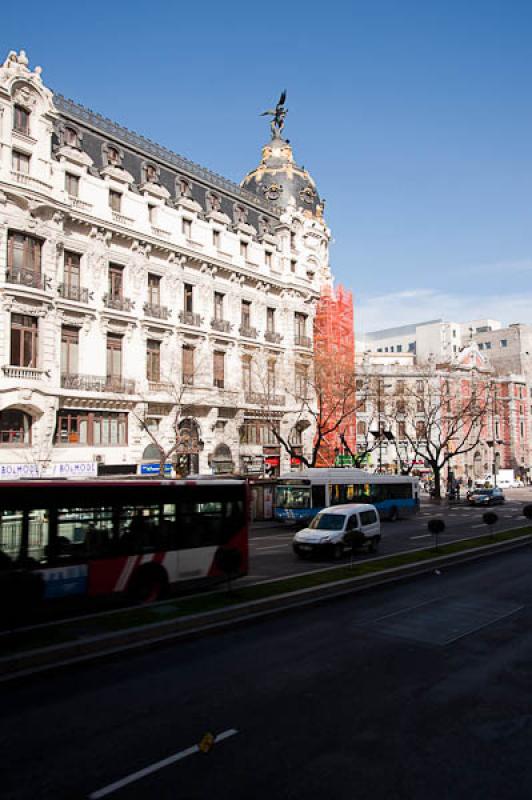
221, 325
118, 303
27, 180
27, 277
248, 332
81, 205
77, 293
121, 219
273, 337
262, 399
24, 373
303, 341
156, 311
97, 383
160, 386
190, 318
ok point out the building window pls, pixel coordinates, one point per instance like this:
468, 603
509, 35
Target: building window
113, 156
245, 314
246, 374
21, 120
488, 345
151, 212
244, 250
151, 173
188, 298
20, 162
401, 429
411, 347
218, 306
114, 357
293, 265
188, 365
504, 342
300, 321
420, 430
216, 239
154, 289
271, 377
92, 428
361, 428
292, 241
270, 320
71, 137
186, 227
15, 427
481, 345
69, 350
115, 201
153, 360
71, 184
116, 281
301, 381
72, 274
399, 348
183, 187
24, 341
23, 253
268, 258
219, 369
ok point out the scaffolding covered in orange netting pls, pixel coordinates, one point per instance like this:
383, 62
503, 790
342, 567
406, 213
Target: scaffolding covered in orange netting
334, 344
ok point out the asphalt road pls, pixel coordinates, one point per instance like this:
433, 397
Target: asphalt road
414, 691
271, 553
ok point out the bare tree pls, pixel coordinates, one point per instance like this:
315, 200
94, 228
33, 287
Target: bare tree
442, 418
323, 396
178, 438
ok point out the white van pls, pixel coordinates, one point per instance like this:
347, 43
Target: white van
337, 529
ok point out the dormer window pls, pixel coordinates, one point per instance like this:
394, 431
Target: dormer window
21, 120
215, 202
71, 137
113, 157
240, 215
151, 173
183, 187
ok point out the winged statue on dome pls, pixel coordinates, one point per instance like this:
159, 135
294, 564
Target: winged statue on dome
278, 114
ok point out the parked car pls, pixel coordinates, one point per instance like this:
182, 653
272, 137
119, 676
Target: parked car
338, 529
486, 497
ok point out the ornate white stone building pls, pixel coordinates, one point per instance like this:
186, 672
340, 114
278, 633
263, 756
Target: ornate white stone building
132, 279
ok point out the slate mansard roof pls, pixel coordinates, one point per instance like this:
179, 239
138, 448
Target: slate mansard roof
137, 151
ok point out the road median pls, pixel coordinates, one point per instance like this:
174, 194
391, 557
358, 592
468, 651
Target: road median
65, 643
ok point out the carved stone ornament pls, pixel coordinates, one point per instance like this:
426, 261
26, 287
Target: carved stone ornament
25, 96
273, 191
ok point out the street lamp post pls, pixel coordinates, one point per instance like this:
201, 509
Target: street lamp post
381, 434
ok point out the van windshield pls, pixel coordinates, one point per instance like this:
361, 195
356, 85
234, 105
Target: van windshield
328, 522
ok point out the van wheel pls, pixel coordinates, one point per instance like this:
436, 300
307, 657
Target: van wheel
149, 584
338, 552
394, 514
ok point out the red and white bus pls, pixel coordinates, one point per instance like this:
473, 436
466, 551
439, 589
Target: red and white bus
67, 538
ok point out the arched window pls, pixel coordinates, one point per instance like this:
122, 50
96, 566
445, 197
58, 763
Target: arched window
15, 427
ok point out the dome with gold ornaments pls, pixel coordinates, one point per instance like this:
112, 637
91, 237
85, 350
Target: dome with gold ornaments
281, 181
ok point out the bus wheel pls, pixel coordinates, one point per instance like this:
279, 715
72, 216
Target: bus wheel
149, 583
394, 514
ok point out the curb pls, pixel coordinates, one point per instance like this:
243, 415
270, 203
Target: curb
135, 639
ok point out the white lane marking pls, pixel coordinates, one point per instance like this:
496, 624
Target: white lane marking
422, 536
482, 525
273, 547
165, 762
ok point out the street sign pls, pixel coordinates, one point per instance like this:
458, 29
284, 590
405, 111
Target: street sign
154, 469
343, 461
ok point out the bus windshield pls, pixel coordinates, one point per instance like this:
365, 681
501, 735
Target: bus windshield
292, 496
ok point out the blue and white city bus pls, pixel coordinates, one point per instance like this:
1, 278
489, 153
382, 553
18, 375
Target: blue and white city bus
299, 496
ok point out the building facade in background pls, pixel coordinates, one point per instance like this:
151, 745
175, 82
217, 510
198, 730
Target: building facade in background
134, 282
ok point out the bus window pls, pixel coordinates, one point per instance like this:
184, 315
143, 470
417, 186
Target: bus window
38, 533
10, 536
350, 493
318, 497
84, 532
139, 528
292, 496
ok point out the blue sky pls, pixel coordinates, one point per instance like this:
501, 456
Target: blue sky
414, 118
